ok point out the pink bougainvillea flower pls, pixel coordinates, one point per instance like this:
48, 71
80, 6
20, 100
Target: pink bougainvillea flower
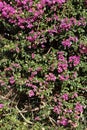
83, 49
57, 109
63, 78
60, 1
33, 55
75, 60
34, 87
16, 65
8, 69
30, 38
68, 42
33, 73
11, 80
50, 77
63, 121
65, 96
1, 106
37, 118
31, 93
62, 66
75, 95
1, 5
79, 107
69, 111
65, 24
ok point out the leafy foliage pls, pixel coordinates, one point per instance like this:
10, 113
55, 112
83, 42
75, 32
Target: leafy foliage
43, 69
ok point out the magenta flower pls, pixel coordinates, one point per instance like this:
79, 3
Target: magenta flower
57, 109
83, 49
30, 38
63, 121
68, 42
65, 24
31, 93
8, 69
74, 39
79, 107
11, 80
34, 87
62, 66
60, 1
63, 78
69, 111
4, 14
39, 6
33, 73
1, 106
33, 55
16, 65
75, 60
37, 118
65, 96
75, 95
28, 84
29, 25
50, 77
1, 5
61, 56
60, 69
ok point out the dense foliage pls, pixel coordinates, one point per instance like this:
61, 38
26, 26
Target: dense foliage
43, 64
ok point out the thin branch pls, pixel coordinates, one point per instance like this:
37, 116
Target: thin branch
52, 121
27, 121
39, 108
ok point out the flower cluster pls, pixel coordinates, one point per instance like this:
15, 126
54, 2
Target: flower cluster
83, 49
50, 77
43, 45
73, 111
68, 42
62, 62
74, 60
